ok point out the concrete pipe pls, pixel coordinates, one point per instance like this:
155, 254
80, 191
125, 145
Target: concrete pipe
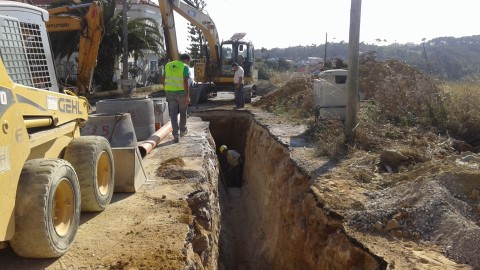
116, 128
140, 109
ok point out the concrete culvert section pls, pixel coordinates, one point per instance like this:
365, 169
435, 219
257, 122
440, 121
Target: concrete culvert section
275, 221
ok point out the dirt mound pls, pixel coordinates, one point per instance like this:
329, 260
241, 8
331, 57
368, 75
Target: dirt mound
402, 93
442, 208
295, 97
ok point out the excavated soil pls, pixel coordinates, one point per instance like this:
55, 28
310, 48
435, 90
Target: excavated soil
409, 200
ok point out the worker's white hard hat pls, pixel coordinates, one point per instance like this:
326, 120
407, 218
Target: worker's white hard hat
223, 148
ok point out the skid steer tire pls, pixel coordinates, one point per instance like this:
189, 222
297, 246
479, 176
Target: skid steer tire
47, 209
92, 159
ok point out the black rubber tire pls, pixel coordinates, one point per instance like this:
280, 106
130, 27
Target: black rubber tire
36, 207
203, 96
247, 98
92, 159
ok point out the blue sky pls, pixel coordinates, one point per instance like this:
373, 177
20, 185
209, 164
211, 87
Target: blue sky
282, 24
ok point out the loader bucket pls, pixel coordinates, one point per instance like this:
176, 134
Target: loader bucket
129, 172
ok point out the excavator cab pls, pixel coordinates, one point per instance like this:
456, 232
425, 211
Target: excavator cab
241, 52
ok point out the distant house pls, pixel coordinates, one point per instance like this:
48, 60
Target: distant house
312, 65
315, 60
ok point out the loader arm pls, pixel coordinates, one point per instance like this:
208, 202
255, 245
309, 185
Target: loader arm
91, 27
196, 17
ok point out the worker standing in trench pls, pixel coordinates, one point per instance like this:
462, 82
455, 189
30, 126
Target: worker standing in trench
232, 164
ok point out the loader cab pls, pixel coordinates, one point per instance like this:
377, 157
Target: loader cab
241, 52
24, 46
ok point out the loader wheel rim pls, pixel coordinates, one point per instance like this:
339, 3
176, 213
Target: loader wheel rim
104, 173
64, 207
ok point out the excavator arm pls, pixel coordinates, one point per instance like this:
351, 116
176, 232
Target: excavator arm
91, 27
196, 17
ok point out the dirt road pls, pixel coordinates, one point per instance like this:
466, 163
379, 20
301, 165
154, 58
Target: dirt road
150, 229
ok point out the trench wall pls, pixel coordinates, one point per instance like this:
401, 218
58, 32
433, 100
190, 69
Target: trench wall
285, 226
288, 226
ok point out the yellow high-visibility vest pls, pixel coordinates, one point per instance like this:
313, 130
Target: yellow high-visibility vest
174, 76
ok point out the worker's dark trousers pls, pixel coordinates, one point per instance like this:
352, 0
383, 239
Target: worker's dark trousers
177, 104
237, 176
239, 98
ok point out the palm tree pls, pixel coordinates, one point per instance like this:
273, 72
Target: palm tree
143, 34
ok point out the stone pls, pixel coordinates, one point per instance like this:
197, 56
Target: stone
366, 176
398, 216
392, 160
378, 225
475, 194
392, 224
200, 244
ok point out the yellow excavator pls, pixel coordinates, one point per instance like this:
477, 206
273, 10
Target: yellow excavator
91, 32
214, 72
48, 172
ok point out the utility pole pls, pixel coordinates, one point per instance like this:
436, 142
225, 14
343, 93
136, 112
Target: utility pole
352, 76
426, 58
125, 49
325, 55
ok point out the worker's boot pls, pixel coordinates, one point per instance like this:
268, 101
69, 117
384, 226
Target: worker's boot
183, 132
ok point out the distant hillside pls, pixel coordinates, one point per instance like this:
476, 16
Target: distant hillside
446, 57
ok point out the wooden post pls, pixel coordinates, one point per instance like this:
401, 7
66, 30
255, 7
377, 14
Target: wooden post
352, 76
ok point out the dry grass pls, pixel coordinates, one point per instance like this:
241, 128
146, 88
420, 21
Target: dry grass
403, 102
328, 137
280, 79
402, 94
463, 108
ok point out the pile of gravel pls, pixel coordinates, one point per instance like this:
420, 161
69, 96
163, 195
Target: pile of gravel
443, 209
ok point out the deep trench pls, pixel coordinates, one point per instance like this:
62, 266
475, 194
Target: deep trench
274, 220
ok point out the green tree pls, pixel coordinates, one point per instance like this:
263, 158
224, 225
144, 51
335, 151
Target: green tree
143, 34
283, 64
197, 39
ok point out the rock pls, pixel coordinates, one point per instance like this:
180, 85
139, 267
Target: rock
393, 159
398, 216
378, 225
392, 224
366, 176
475, 194
461, 146
357, 205
398, 233
471, 158
200, 244
416, 235
199, 202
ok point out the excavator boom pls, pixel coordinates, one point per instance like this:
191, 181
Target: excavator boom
91, 27
196, 17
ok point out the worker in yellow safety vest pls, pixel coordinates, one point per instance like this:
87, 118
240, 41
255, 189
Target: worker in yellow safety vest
232, 164
176, 84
